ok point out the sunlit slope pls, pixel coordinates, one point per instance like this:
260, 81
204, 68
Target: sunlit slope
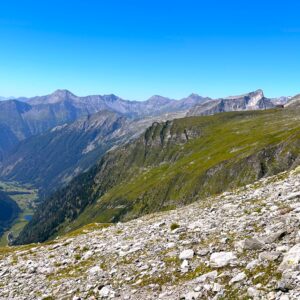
172, 164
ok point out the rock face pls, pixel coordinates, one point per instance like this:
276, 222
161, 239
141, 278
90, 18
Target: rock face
252, 101
148, 259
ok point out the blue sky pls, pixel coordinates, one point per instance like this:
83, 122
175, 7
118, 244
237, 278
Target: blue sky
137, 48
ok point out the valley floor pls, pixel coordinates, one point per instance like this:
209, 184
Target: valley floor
243, 244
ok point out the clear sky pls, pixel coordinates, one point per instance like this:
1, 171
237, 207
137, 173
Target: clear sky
137, 48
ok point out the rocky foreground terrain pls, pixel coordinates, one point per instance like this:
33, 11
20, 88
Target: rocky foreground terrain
243, 244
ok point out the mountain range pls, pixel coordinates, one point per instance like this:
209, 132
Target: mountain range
21, 118
24, 117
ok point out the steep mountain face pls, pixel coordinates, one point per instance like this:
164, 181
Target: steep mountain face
51, 159
7, 140
13, 127
252, 101
11, 113
171, 164
21, 120
8, 211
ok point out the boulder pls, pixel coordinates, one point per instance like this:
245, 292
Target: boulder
239, 277
253, 244
186, 254
222, 259
208, 276
270, 256
291, 259
275, 236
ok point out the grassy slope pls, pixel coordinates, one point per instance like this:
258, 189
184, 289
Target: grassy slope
163, 169
219, 159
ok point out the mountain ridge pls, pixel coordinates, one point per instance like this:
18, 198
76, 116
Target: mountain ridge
251, 101
24, 117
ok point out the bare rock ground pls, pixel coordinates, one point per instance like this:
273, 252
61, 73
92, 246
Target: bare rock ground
243, 244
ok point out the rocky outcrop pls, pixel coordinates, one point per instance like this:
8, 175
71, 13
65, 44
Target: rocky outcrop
252, 101
190, 253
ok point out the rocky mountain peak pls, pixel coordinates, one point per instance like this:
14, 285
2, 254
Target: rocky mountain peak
255, 98
193, 95
111, 98
62, 94
258, 94
250, 101
157, 98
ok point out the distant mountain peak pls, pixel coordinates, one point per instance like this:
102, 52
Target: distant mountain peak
159, 100
255, 94
110, 97
193, 95
155, 97
258, 92
7, 98
63, 93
